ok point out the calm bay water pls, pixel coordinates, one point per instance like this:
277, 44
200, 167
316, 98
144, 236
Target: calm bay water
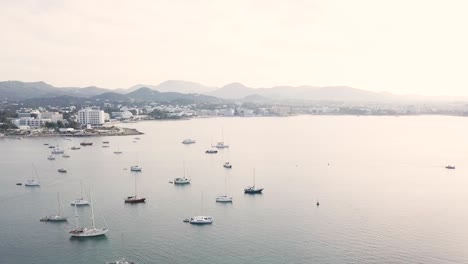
385, 196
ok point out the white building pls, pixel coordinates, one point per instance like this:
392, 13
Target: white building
54, 116
30, 122
90, 116
122, 115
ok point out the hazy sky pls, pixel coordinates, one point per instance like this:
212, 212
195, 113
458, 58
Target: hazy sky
400, 46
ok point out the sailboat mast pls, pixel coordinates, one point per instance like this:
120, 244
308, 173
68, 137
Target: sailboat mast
58, 203
76, 218
92, 214
202, 204
135, 187
81, 187
254, 179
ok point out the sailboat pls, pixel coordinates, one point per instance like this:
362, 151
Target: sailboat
136, 168
182, 180
252, 189
201, 219
87, 232
135, 198
80, 201
221, 144
58, 217
33, 182
224, 198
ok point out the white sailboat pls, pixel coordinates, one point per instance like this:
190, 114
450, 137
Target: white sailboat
224, 198
201, 219
220, 144
58, 217
136, 168
87, 232
182, 180
80, 201
33, 182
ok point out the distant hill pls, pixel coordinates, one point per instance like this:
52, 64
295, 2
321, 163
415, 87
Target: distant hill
146, 94
16, 90
183, 91
176, 86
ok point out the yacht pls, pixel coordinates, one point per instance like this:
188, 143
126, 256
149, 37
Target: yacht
201, 219
188, 141
182, 180
58, 217
252, 189
224, 199
80, 201
33, 182
135, 168
227, 165
87, 232
62, 170
211, 151
57, 150
135, 198
450, 167
221, 145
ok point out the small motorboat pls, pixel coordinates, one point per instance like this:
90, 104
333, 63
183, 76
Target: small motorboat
105, 142
54, 218
86, 143
181, 180
19, 183
135, 168
51, 157
201, 220
211, 151
121, 261
65, 156
221, 145
75, 148
224, 199
227, 165
134, 199
62, 170
186, 220
51, 147
46, 144
450, 167
188, 141
105, 146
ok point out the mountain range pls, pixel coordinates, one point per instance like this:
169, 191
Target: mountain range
174, 90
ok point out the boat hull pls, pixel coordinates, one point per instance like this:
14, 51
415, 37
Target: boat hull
89, 232
132, 201
255, 191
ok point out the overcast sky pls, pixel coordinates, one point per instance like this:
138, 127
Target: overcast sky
400, 46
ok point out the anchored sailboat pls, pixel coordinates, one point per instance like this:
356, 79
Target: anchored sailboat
33, 182
135, 198
87, 232
80, 201
201, 219
252, 189
58, 217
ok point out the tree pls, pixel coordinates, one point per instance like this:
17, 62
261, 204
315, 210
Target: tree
51, 125
60, 124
